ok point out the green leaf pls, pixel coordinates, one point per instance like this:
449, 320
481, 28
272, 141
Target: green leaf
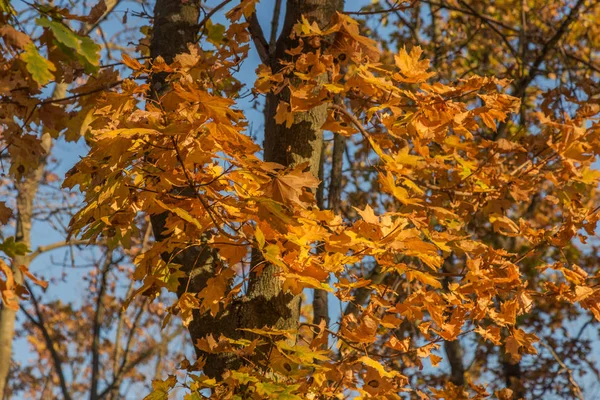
214, 32
84, 48
12, 248
40, 68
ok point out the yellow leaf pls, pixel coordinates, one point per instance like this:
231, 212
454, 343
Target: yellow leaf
181, 213
423, 278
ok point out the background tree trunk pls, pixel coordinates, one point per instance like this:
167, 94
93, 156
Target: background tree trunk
27, 190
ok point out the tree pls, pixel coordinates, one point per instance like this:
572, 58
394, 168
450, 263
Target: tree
68, 338
464, 212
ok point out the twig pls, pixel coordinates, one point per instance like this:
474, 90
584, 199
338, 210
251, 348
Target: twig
574, 386
258, 37
40, 323
396, 7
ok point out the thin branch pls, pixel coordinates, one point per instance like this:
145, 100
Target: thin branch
574, 386
479, 15
548, 46
57, 245
40, 323
587, 63
97, 325
258, 37
274, 28
397, 7
212, 12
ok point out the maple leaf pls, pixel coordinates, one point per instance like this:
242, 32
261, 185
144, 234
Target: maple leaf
288, 188
161, 388
284, 114
85, 49
216, 289
412, 68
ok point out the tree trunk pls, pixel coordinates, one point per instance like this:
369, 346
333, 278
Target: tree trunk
454, 351
27, 190
265, 303
513, 377
301, 143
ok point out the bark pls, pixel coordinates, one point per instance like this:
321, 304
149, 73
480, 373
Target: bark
300, 143
265, 304
26, 192
320, 300
334, 199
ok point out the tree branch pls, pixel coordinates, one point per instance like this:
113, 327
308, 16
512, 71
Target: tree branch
258, 37
395, 8
40, 323
57, 245
97, 325
574, 386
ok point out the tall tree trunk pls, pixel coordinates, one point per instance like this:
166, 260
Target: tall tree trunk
301, 143
334, 199
265, 304
27, 189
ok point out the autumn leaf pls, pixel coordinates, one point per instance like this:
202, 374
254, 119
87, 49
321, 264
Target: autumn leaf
32, 277
161, 388
5, 213
288, 188
13, 37
40, 68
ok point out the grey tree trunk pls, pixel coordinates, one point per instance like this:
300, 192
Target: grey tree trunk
27, 190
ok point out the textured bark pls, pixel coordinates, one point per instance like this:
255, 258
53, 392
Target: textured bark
265, 304
320, 302
300, 143
334, 199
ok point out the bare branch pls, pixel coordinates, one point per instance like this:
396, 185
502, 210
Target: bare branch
258, 37
574, 386
40, 323
97, 325
57, 245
